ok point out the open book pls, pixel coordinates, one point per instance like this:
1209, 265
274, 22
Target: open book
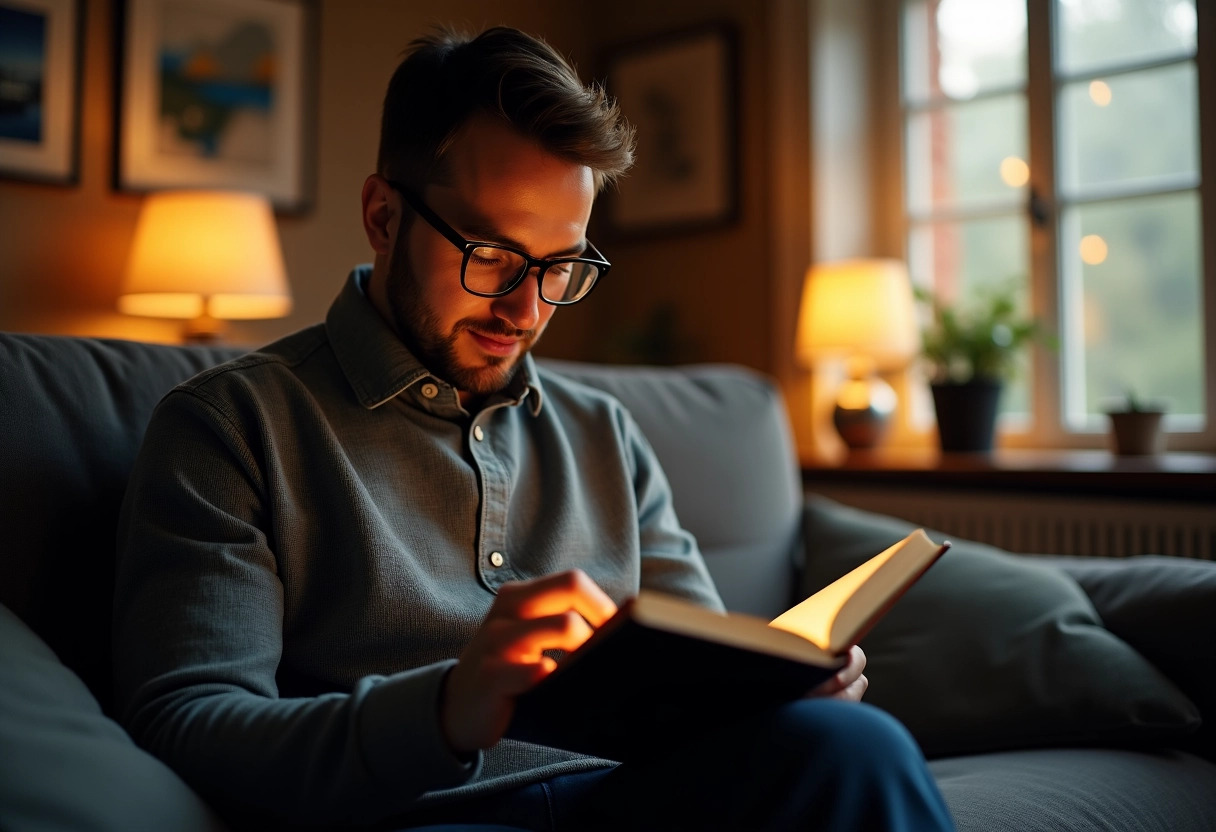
662, 668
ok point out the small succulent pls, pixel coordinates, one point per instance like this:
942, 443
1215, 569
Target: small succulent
1133, 403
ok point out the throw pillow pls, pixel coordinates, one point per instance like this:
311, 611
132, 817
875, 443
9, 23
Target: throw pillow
65, 764
994, 651
1162, 606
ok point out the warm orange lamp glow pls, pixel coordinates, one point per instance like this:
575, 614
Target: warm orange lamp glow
207, 257
860, 311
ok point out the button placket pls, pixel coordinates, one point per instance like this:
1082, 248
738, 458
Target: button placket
495, 482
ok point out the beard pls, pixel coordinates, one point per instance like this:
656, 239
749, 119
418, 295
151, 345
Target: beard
419, 329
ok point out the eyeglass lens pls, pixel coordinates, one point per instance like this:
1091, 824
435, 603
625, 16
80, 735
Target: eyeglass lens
491, 270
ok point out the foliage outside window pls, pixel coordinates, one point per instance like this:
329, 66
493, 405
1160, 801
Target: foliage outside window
1115, 193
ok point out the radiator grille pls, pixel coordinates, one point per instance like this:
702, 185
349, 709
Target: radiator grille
1050, 524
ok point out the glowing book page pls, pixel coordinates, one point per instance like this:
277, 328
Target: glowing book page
835, 617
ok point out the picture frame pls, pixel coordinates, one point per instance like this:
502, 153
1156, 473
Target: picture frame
216, 94
40, 58
679, 89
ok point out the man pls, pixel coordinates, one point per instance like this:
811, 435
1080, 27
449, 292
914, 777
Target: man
343, 556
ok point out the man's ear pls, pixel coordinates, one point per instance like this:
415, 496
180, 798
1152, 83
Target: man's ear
380, 209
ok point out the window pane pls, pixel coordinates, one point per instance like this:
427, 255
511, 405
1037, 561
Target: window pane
1134, 127
958, 258
1133, 304
967, 155
1096, 34
959, 48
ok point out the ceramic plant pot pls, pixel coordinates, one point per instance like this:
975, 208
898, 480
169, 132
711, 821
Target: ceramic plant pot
1136, 432
966, 414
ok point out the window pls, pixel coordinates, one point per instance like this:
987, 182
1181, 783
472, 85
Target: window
1054, 146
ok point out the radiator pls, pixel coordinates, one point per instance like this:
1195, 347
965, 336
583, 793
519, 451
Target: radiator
1049, 524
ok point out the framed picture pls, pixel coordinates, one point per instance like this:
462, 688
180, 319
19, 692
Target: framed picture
679, 91
40, 90
216, 94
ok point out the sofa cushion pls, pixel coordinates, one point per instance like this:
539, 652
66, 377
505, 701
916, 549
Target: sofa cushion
722, 436
65, 765
1165, 607
1080, 790
993, 651
74, 412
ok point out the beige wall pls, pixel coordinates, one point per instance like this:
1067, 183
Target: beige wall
63, 248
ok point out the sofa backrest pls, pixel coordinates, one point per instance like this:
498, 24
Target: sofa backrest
73, 412
722, 435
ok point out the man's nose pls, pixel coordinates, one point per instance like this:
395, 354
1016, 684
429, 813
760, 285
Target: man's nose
520, 308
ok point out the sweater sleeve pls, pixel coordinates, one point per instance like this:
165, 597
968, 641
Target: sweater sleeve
198, 636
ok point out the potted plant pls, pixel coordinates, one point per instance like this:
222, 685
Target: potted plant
1136, 426
971, 352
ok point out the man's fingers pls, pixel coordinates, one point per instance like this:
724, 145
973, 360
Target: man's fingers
554, 594
846, 678
527, 640
512, 678
855, 691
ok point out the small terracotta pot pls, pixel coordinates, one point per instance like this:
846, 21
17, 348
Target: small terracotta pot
1137, 432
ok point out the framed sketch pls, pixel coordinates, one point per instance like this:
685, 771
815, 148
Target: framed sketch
679, 91
40, 90
215, 94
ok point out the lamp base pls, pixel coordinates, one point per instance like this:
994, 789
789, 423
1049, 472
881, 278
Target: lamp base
203, 329
863, 411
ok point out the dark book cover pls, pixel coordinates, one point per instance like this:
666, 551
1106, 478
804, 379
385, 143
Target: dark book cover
635, 688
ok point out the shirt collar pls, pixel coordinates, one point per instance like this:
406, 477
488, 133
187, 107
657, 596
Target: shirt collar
379, 366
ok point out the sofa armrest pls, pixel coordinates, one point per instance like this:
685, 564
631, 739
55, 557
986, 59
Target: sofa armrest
1165, 607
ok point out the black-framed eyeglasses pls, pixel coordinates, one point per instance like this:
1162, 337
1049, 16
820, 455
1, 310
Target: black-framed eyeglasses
491, 270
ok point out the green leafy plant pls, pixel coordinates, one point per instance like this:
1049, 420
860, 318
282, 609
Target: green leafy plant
978, 341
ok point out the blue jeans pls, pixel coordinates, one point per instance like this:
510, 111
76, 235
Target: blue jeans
814, 764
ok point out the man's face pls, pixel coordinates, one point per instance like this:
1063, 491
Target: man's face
501, 188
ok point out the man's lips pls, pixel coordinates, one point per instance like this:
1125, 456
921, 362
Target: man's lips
494, 344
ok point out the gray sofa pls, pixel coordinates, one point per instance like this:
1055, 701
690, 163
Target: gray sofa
1048, 693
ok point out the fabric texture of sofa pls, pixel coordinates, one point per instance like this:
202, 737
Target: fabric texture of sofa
1048, 693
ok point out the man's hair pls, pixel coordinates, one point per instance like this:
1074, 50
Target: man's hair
447, 77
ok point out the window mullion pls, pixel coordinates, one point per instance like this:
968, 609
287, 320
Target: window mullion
1046, 291
1205, 60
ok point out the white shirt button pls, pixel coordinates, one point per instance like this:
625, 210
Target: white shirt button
429, 390
497, 559
479, 435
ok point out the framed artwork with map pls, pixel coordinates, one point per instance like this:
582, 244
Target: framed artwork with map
216, 94
679, 91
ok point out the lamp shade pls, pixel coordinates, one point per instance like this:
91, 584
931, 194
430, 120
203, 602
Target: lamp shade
206, 254
860, 307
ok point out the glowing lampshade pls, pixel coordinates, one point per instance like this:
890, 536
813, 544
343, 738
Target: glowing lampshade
860, 311
206, 256
853, 307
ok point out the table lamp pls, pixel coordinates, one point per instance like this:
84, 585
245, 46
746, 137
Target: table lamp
206, 257
860, 312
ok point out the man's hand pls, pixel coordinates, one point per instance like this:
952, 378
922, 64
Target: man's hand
506, 655
849, 682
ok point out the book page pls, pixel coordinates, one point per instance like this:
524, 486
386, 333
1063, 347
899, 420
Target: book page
834, 617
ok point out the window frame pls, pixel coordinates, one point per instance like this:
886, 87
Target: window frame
1048, 426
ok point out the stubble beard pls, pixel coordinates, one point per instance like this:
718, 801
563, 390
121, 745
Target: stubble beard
419, 328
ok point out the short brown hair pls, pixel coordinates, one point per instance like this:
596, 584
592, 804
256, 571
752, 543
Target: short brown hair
447, 77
